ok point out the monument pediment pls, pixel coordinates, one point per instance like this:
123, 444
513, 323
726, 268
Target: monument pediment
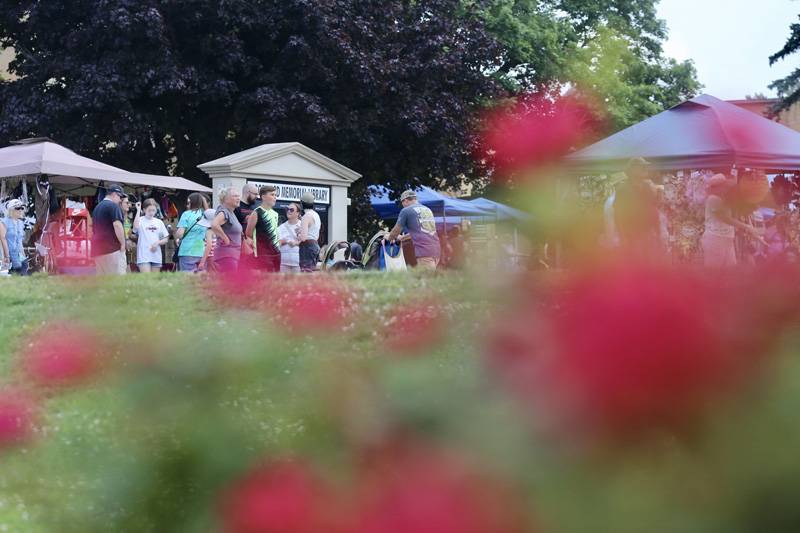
293, 161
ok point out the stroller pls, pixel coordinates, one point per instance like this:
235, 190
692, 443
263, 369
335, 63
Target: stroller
340, 256
372, 253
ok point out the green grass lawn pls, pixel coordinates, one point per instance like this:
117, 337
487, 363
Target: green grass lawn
257, 383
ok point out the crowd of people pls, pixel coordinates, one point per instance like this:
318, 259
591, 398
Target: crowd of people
634, 217
242, 232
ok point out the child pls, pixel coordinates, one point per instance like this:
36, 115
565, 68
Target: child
152, 236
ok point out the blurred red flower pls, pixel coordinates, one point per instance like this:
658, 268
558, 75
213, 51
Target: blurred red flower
280, 497
536, 130
414, 327
244, 288
18, 410
308, 305
428, 491
62, 354
625, 349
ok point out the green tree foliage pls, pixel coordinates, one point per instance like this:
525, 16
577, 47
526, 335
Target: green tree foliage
789, 87
610, 48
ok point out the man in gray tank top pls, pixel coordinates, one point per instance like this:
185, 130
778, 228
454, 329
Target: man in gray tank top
309, 234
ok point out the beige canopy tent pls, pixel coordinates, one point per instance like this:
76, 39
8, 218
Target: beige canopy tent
64, 167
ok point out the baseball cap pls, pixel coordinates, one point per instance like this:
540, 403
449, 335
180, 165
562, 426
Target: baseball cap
307, 198
408, 194
115, 187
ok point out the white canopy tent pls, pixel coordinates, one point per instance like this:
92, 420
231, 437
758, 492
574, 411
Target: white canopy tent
65, 167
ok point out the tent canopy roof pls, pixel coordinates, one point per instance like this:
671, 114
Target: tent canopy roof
703, 132
440, 204
501, 211
66, 167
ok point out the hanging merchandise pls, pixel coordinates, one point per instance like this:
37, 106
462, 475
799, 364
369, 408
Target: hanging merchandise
44, 199
172, 210
101, 192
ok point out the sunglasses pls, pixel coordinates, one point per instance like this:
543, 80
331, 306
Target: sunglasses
291, 210
20, 208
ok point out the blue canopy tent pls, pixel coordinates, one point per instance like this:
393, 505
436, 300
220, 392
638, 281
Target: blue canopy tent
441, 205
500, 211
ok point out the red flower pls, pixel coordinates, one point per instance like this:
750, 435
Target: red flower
626, 349
281, 497
308, 305
18, 411
245, 288
425, 491
537, 130
62, 354
415, 327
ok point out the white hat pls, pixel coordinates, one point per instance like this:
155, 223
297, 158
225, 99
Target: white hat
12, 204
208, 216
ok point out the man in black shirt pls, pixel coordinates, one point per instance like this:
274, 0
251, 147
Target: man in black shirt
250, 200
108, 234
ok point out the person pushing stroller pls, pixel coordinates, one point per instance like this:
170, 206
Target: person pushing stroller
417, 220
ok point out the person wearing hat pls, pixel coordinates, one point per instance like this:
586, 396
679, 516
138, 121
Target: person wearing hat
719, 250
12, 234
310, 225
417, 220
191, 233
108, 232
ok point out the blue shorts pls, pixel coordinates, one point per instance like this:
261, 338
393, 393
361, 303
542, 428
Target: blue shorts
188, 263
309, 253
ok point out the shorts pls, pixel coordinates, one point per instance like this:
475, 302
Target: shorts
309, 254
266, 263
427, 263
226, 264
188, 263
289, 269
108, 264
21, 270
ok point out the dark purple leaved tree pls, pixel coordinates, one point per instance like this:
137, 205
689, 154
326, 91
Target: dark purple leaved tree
387, 87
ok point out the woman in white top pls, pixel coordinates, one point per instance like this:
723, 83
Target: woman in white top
152, 236
718, 238
289, 240
309, 234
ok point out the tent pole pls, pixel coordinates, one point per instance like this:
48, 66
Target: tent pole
446, 242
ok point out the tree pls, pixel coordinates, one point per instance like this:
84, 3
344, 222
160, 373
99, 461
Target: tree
387, 87
612, 48
788, 88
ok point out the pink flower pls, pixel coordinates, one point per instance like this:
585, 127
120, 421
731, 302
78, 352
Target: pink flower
428, 491
538, 129
309, 305
415, 327
62, 354
622, 350
18, 411
244, 288
280, 497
